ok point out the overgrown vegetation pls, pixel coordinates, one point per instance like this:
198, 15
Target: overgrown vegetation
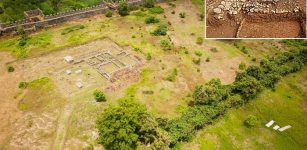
160, 30
10, 68
72, 29
172, 76
151, 20
99, 96
123, 126
123, 9
213, 99
156, 10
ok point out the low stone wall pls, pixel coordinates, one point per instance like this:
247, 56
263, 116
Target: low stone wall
54, 19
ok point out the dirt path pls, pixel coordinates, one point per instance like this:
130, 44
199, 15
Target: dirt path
9, 97
62, 127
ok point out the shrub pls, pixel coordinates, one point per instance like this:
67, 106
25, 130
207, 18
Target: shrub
208, 59
196, 61
160, 31
171, 77
244, 50
23, 85
165, 44
151, 19
251, 121
242, 66
182, 15
10, 68
109, 13
201, 16
214, 50
156, 10
173, 12
198, 53
148, 56
199, 41
149, 3
99, 96
123, 8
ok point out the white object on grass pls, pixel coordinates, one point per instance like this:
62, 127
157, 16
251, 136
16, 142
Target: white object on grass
276, 127
284, 128
270, 123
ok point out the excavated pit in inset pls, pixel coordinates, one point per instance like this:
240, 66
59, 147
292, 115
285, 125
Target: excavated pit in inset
273, 26
281, 19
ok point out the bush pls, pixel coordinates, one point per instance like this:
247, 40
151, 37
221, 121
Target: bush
109, 13
149, 3
242, 66
148, 56
199, 41
151, 20
123, 8
198, 53
165, 44
160, 31
156, 10
171, 77
251, 121
196, 61
244, 50
208, 59
10, 68
182, 15
214, 50
23, 85
99, 96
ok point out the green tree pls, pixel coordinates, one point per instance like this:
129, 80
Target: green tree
210, 93
248, 87
123, 126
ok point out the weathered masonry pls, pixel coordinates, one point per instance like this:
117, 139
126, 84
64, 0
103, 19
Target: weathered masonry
36, 20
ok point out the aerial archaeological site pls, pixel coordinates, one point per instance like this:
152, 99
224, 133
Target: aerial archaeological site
153, 75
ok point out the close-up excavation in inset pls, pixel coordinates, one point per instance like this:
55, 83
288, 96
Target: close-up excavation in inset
153, 75
256, 19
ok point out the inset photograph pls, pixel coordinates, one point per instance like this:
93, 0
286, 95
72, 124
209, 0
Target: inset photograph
255, 19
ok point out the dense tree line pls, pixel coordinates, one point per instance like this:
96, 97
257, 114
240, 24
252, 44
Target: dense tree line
213, 99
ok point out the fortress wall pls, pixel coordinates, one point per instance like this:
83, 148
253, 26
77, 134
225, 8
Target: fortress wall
58, 18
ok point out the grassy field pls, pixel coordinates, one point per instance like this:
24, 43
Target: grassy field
286, 105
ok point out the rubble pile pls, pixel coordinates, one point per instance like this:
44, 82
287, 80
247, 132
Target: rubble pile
233, 7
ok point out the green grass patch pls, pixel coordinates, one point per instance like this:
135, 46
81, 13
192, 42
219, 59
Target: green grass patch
72, 29
156, 10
